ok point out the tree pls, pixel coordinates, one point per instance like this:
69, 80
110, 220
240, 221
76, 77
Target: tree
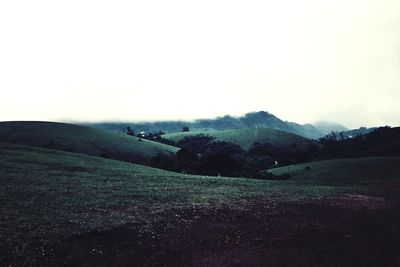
185, 129
129, 131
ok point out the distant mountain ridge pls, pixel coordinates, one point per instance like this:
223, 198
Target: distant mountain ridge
327, 127
260, 119
349, 134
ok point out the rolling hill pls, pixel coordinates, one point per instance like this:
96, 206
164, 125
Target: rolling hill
245, 138
60, 208
81, 139
382, 141
351, 170
50, 194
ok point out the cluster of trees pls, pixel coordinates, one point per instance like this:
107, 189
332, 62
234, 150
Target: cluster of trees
383, 141
155, 136
285, 155
204, 156
151, 136
350, 134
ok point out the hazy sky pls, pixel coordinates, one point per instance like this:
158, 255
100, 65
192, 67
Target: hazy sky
302, 60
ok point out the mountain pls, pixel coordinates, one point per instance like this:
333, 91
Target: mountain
261, 119
82, 139
326, 127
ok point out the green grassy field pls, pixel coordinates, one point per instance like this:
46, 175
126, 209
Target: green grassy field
371, 169
380, 174
48, 194
81, 139
49, 197
245, 138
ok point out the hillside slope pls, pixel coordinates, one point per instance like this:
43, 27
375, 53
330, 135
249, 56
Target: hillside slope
382, 141
81, 139
263, 119
369, 169
66, 209
245, 138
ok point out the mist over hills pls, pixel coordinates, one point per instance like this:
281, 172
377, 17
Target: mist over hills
260, 119
326, 127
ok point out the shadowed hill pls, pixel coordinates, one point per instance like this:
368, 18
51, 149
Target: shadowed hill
246, 138
383, 141
82, 139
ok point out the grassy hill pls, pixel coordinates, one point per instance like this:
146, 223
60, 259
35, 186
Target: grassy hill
47, 195
62, 208
245, 138
344, 171
81, 139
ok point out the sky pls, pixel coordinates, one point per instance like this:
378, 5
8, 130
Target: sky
302, 60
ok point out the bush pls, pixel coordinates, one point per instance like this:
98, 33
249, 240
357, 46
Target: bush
196, 143
163, 161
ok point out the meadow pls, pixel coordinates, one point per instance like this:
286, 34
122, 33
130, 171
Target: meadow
62, 208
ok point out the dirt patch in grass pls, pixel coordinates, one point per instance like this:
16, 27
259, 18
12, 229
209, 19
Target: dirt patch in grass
254, 233
357, 201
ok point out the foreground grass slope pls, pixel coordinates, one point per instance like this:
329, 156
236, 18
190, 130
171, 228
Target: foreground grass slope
81, 139
70, 209
245, 138
47, 194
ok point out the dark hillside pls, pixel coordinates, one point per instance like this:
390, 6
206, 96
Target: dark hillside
82, 139
383, 141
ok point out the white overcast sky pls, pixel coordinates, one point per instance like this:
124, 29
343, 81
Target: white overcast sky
302, 60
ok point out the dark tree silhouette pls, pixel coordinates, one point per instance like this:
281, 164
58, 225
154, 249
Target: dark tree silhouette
129, 131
